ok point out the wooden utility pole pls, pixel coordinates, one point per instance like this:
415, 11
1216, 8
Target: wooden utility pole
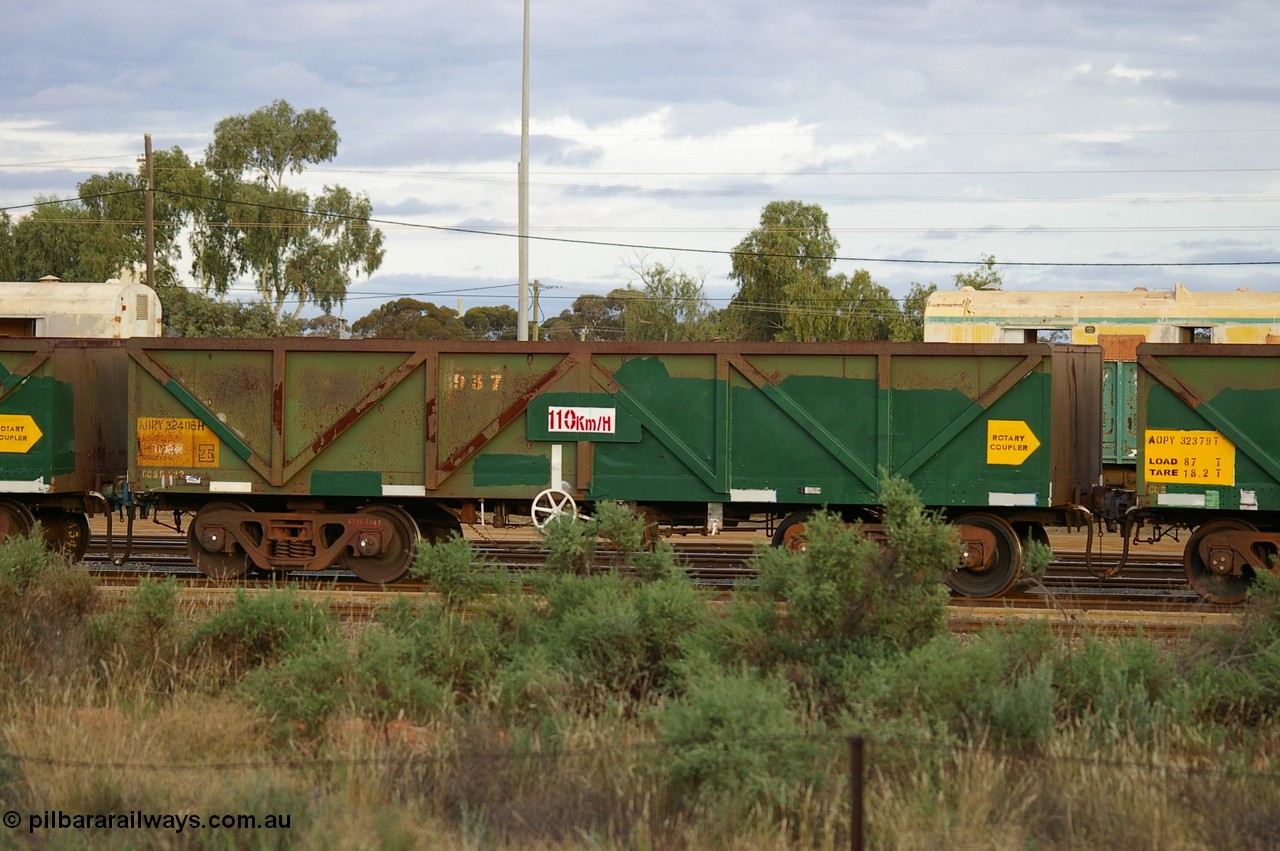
534, 323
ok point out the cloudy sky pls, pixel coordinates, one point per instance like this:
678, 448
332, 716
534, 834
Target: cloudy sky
1087, 145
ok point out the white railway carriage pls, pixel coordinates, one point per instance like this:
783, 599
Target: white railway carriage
54, 308
1117, 321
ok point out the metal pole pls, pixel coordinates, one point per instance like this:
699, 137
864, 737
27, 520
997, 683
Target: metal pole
149, 216
522, 311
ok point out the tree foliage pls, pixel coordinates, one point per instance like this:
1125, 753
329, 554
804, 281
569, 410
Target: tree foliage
839, 307
296, 247
189, 313
410, 319
985, 277
590, 317
792, 248
910, 327
669, 305
491, 322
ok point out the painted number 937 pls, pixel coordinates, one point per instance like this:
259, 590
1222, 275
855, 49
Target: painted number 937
477, 381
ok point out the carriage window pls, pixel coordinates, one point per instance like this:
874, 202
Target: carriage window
1195, 334
17, 327
1060, 336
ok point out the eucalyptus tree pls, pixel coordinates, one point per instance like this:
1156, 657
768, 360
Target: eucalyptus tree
53, 239
839, 307
910, 327
792, 247
296, 247
984, 277
411, 319
8, 268
670, 305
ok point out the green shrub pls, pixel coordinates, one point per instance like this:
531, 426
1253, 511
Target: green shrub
456, 571
144, 637
610, 638
261, 627
533, 684
570, 543
620, 526
594, 627
1021, 712
459, 653
1036, 558
734, 739
846, 590
946, 685
24, 561
912, 598
44, 604
1235, 675
672, 616
1123, 687
301, 691
826, 588
386, 680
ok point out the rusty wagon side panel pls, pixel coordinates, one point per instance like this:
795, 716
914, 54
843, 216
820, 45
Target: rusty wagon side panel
799, 424
62, 435
62, 417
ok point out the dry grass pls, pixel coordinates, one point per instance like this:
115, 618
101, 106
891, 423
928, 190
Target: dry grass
591, 784
91, 726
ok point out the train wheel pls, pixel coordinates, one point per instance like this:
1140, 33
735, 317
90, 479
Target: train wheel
66, 532
15, 519
991, 559
791, 533
550, 504
439, 531
393, 562
207, 543
1032, 532
1215, 587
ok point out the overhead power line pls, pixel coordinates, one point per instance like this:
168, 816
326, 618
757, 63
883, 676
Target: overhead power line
635, 246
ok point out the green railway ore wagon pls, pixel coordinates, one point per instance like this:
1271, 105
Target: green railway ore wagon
1209, 421
62, 434
299, 453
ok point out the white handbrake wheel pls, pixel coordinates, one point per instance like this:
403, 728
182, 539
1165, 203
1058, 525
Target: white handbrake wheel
550, 504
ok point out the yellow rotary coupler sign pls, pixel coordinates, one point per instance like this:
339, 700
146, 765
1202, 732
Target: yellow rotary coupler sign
1188, 457
176, 442
1010, 442
18, 433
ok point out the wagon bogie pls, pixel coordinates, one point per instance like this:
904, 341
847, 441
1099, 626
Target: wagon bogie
376, 542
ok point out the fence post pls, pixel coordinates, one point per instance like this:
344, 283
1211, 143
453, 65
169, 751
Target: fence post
856, 773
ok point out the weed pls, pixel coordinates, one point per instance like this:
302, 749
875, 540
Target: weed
261, 627
456, 571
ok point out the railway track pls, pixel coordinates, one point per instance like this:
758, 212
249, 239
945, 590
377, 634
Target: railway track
1151, 596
